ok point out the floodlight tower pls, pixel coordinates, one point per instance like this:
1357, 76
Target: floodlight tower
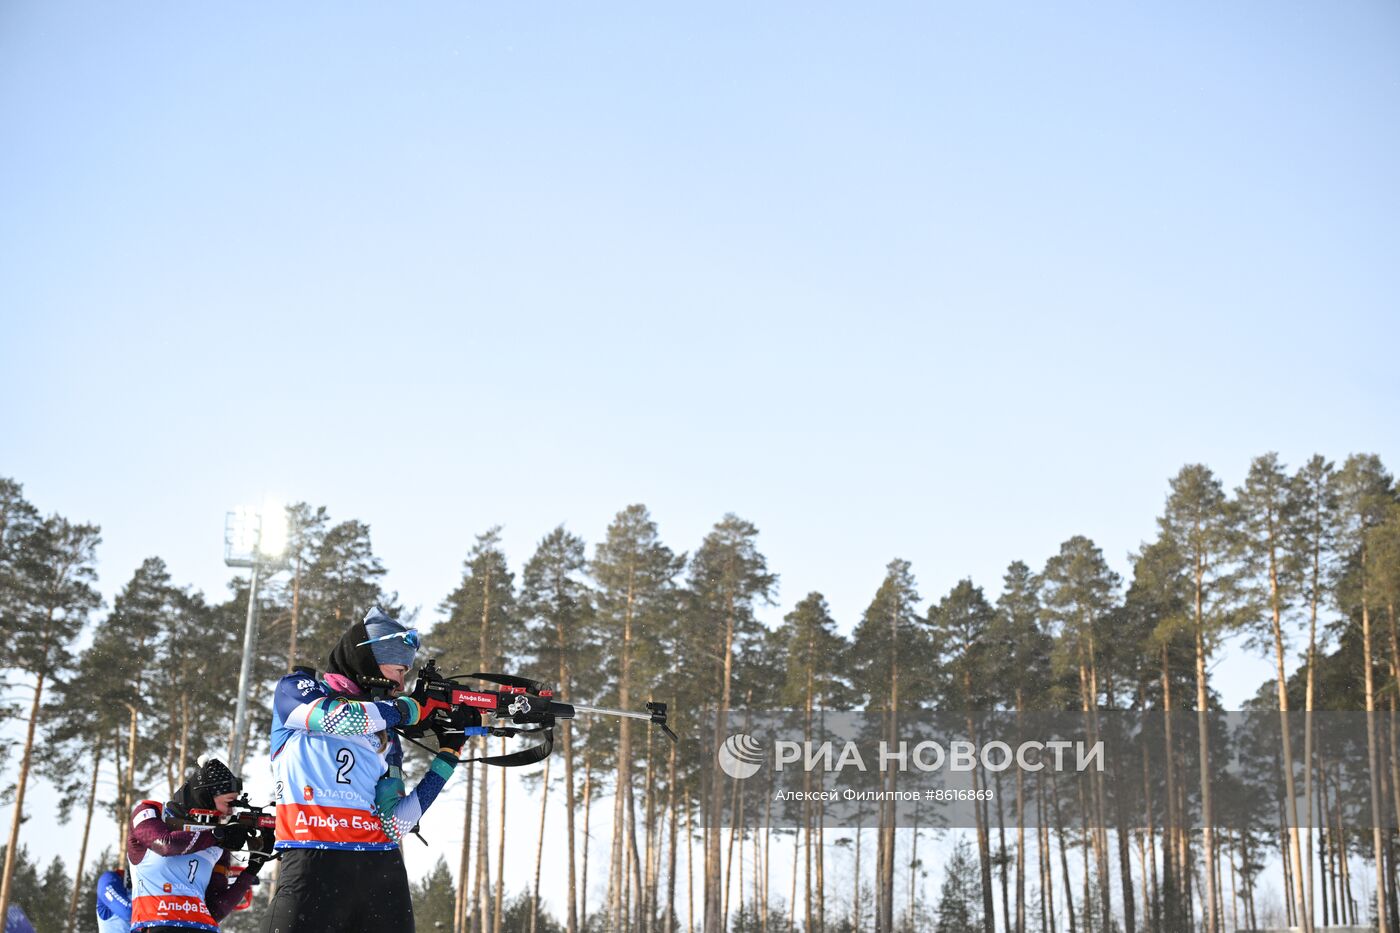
249, 543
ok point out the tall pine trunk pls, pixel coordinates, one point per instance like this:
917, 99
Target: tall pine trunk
1088, 846
1003, 863
1394, 744
1020, 926
480, 892
1174, 876
1308, 734
184, 733
1324, 840
1152, 907
885, 863
1377, 838
571, 912
459, 923
984, 855
119, 762
24, 765
128, 790
1064, 857
587, 838
481, 884
689, 870
296, 608
539, 850
668, 924
646, 913
1301, 911
855, 900
715, 921
501, 855
792, 895
1203, 739
1043, 856
1088, 676
562, 645
623, 797
735, 833
807, 815
821, 861
635, 894
82, 848
656, 837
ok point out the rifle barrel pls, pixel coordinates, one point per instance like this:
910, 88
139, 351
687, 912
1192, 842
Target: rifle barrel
604, 711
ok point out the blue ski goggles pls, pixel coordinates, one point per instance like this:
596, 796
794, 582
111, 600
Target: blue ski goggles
410, 637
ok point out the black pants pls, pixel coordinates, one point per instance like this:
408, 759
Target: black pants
333, 891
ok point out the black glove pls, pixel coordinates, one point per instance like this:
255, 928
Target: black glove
450, 738
260, 849
232, 837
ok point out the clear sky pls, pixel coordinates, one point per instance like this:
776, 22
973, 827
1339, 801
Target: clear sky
948, 282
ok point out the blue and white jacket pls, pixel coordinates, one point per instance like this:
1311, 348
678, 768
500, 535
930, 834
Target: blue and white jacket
337, 765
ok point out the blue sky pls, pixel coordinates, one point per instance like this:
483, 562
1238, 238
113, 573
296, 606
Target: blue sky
944, 282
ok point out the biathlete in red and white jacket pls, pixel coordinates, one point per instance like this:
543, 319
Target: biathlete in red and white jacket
341, 804
180, 856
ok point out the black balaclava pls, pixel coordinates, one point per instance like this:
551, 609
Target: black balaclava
210, 779
350, 658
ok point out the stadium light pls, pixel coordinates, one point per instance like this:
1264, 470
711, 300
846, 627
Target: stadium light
256, 539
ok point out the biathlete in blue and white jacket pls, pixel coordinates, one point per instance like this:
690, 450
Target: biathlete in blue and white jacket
113, 903
341, 804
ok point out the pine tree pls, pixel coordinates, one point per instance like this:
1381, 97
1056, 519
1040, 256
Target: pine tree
142, 614
636, 604
812, 652
960, 623
884, 641
557, 605
1365, 495
85, 892
306, 535
958, 910
1025, 670
43, 895
729, 577
433, 902
48, 568
1196, 525
84, 705
1265, 511
1159, 615
1314, 506
338, 584
195, 671
477, 635
1079, 592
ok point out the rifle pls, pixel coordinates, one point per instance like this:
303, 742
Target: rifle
522, 707
250, 817
253, 820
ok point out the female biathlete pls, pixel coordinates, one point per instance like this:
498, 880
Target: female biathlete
113, 903
341, 806
179, 855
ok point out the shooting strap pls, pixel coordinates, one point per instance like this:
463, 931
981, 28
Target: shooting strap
525, 756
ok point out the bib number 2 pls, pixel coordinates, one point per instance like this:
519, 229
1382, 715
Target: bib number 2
346, 759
